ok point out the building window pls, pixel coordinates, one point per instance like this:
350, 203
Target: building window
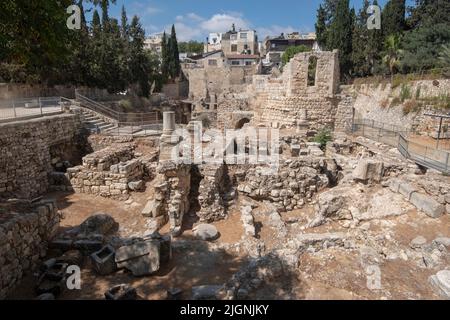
234, 48
212, 62
243, 35
312, 66
235, 63
248, 63
233, 37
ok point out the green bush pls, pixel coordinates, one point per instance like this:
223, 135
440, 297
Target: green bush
405, 93
322, 137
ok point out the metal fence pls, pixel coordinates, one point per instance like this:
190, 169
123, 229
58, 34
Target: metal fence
398, 137
29, 107
121, 118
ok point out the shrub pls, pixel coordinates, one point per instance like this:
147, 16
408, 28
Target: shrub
405, 93
125, 105
418, 92
395, 102
322, 137
384, 103
411, 106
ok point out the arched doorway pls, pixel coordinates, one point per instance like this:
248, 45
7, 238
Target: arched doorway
241, 122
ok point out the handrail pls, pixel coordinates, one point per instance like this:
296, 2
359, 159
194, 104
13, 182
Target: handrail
419, 153
124, 118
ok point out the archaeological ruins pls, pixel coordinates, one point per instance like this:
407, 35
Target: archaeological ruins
229, 194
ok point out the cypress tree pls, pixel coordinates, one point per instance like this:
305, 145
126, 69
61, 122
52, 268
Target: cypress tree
321, 27
124, 23
393, 17
174, 62
340, 35
164, 58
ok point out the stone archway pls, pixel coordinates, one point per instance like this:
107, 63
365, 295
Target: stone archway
241, 122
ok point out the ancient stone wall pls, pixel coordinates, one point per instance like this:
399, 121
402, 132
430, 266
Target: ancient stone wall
215, 81
214, 192
289, 99
295, 182
171, 200
380, 102
24, 240
110, 172
26, 157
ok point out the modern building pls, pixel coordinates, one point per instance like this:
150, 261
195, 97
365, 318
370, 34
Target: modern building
236, 60
240, 42
154, 43
213, 42
276, 46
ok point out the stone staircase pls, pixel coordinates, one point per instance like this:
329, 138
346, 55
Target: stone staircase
95, 123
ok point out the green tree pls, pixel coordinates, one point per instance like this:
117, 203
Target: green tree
164, 58
392, 54
174, 56
291, 52
362, 65
190, 47
139, 62
393, 17
124, 24
340, 35
321, 27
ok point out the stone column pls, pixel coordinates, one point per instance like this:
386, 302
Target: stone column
167, 141
168, 122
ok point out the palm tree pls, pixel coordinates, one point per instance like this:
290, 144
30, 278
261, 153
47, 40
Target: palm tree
392, 54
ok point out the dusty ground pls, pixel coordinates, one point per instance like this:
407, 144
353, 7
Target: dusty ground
334, 273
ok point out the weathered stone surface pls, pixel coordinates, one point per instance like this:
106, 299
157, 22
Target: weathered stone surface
247, 220
121, 292
26, 153
154, 208
23, 241
418, 242
136, 185
71, 257
406, 190
103, 261
440, 283
368, 171
320, 240
427, 204
100, 223
206, 232
206, 292
46, 296
141, 258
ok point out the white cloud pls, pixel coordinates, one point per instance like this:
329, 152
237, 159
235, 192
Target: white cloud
152, 10
193, 26
194, 17
222, 22
273, 31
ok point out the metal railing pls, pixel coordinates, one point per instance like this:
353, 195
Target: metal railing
29, 107
398, 137
126, 122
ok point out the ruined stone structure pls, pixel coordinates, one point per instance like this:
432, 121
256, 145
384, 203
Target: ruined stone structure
109, 172
296, 181
28, 149
292, 99
214, 193
24, 240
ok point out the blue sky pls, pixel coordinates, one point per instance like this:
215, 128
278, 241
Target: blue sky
194, 19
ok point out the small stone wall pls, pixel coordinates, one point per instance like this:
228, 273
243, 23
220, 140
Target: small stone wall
214, 193
25, 149
296, 181
24, 236
110, 172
